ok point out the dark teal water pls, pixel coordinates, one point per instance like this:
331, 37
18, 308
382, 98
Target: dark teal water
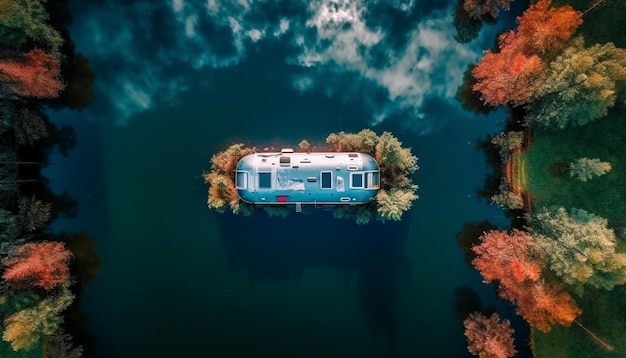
181, 280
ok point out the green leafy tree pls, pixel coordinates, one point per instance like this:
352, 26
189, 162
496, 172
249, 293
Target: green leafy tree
392, 156
21, 20
578, 86
25, 327
507, 143
393, 203
34, 213
578, 247
363, 141
29, 127
584, 169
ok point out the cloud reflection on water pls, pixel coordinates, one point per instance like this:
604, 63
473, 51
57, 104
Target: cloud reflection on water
147, 54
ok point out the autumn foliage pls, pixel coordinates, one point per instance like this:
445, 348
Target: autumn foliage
510, 75
36, 74
41, 264
506, 77
511, 260
543, 28
222, 190
541, 304
489, 337
506, 257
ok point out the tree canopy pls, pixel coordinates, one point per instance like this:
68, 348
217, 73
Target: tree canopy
578, 247
511, 260
584, 169
489, 337
510, 75
578, 86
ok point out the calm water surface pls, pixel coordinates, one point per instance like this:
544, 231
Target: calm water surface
177, 85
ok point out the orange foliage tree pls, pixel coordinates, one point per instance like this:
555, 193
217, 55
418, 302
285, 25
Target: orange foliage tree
42, 264
510, 75
489, 337
512, 261
540, 303
543, 28
506, 77
222, 190
37, 74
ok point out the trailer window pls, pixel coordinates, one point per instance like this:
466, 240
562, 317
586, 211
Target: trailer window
327, 180
242, 180
371, 180
265, 180
356, 180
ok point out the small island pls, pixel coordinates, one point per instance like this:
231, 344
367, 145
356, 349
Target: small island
366, 177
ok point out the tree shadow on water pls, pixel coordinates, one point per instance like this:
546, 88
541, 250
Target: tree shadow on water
272, 248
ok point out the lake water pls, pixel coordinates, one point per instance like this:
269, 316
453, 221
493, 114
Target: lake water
181, 280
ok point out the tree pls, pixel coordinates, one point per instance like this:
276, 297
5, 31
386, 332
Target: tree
34, 75
510, 75
27, 19
506, 256
24, 328
478, 8
507, 143
29, 127
512, 261
304, 146
578, 86
584, 169
222, 190
60, 345
543, 28
34, 213
363, 141
42, 264
541, 303
393, 158
467, 28
506, 77
489, 337
393, 203
578, 247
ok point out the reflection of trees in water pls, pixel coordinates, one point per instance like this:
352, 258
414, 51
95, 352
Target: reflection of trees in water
468, 301
470, 235
268, 248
